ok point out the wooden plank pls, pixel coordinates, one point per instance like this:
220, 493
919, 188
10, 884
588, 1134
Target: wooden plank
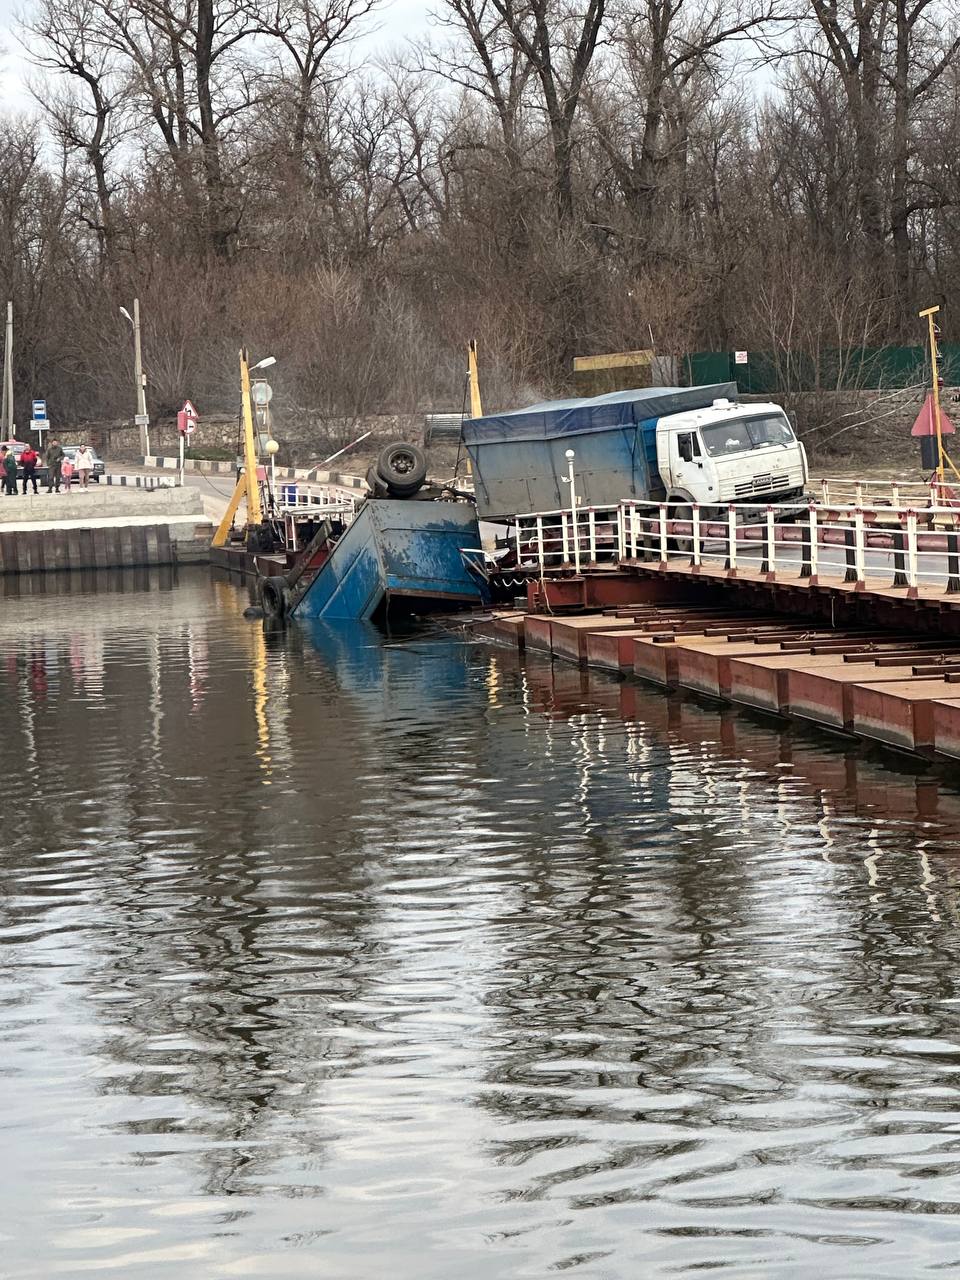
126, 546
103, 551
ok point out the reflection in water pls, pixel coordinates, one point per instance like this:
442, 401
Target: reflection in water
329, 955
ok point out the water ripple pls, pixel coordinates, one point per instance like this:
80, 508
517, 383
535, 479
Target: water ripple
327, 956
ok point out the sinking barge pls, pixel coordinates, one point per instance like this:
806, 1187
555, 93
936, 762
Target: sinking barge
407, 545
420, 555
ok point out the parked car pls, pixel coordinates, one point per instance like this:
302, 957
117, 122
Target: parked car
99, 466
70, 452
18, 446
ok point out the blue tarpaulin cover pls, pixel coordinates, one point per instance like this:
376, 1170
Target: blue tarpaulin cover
557, 418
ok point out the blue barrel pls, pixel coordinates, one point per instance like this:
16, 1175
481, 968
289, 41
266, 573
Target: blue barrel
288, 495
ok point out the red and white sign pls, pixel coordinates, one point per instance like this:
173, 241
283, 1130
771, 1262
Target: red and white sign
187, 419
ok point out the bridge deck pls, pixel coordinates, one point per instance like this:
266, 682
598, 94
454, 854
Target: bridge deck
887, 555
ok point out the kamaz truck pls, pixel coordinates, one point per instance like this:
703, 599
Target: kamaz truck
676, 444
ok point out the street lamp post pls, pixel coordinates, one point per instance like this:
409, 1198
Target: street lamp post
261, 394
143, 421
272, 450
571, 479
8, 430
254, 510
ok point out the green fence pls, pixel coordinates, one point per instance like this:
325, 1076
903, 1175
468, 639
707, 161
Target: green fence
854, 369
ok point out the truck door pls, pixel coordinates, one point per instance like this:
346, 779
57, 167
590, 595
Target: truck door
686, 463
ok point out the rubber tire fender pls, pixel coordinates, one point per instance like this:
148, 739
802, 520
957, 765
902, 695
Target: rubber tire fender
275, 597
402, 467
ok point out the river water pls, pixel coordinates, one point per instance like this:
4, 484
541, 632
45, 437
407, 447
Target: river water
323, 955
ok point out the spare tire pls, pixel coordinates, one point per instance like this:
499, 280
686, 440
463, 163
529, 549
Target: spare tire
402, 468
275, 597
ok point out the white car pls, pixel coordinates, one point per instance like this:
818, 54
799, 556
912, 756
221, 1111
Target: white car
99, 466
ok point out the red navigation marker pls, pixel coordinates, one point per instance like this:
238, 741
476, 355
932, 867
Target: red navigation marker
925, 428
925, 425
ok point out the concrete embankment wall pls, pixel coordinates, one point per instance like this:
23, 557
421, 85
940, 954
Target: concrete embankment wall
107, 529
305, 438
99, 503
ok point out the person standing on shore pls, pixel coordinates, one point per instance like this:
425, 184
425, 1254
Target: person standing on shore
54, 461
28, 460
84, 465
8, 465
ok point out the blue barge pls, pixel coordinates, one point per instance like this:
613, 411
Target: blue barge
418, 553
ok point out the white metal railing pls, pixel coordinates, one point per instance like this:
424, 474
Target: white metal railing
307, 501
580, 539
883, 493
296, 496
319, 502
875, 547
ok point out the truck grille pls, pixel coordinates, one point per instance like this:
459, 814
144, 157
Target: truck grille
761, 484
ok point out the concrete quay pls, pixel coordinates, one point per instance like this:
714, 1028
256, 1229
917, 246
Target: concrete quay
108, 528
897, 688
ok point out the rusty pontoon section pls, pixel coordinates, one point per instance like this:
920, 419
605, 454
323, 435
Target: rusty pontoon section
897, 688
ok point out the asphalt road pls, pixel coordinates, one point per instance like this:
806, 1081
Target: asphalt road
221, 485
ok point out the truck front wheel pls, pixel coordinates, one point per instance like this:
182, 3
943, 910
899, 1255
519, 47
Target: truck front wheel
682, 543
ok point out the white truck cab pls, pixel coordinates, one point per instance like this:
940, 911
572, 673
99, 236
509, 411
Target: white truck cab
730, 452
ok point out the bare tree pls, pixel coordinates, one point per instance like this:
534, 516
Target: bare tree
853, 42
922, 56
86, 117
553, 176
558, 43
195, 84
671, 52
308, 34
487, 62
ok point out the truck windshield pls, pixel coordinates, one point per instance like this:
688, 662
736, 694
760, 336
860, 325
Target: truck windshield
741, 434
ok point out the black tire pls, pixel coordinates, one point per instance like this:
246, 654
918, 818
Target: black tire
684, 545
275, 597
648, 544
402, 468
376, 486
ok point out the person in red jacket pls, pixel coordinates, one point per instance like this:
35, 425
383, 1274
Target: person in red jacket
28, 461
